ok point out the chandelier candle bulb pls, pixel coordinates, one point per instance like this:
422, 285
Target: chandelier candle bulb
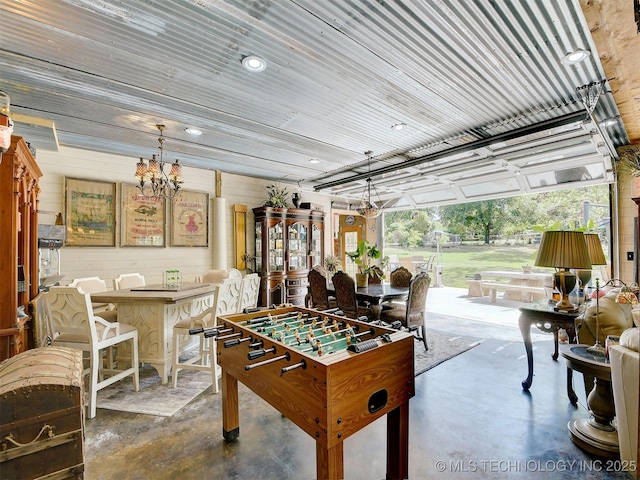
154, 181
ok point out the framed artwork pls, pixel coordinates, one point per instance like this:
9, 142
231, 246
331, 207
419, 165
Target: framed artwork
143, 219
90, 213
190, 220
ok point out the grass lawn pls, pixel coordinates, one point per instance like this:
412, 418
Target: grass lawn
462, 262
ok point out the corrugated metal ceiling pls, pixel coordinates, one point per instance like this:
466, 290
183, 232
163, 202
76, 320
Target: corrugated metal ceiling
340, 73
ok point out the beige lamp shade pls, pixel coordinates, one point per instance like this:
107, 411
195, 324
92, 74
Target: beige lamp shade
563, 249
594, 246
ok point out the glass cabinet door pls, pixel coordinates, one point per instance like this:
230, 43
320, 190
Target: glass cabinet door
276, 249
297, 253
258, 246
316, 245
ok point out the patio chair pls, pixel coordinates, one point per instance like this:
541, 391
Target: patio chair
74, 325
412, 313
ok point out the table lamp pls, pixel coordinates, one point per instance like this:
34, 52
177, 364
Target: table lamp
564, 250
594, 246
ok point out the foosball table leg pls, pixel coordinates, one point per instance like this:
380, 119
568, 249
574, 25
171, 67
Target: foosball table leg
398, 443
230, 415
329, 462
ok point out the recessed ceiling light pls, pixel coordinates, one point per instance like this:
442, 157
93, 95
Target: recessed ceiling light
399, 126
254, 63
575, 57
193, 131
314, 160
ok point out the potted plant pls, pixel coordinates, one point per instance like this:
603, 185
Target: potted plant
333, 264
362, 258
277, 196
628, 166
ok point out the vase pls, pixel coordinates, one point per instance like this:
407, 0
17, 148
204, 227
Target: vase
362, 280
295, 198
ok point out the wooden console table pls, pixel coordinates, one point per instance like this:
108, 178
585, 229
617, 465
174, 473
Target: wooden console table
154, 311
542, 315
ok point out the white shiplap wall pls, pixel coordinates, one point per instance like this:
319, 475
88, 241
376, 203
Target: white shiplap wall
108, 263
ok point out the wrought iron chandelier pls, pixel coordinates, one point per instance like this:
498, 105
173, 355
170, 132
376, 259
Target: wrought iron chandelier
154, 181
368, 209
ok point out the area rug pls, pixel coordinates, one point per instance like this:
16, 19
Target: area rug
153, 397
442, 347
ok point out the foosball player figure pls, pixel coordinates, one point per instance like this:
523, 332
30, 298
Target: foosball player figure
297, 334
317, 347
347, 337
279, 336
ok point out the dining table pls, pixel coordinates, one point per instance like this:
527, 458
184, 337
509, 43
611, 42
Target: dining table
376, 293
153, 310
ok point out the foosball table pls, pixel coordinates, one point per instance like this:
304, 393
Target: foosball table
328, 374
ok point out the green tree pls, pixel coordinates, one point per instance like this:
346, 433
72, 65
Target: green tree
485, 217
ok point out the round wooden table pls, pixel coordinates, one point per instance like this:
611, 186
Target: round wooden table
595, 434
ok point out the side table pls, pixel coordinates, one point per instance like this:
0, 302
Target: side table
595, 434
542, 315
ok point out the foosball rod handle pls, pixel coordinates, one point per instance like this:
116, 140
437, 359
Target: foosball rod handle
286, 357
252, 355
236, 341
302, 364
212, 331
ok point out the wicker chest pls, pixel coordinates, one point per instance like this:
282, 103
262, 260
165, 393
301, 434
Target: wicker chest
42, 415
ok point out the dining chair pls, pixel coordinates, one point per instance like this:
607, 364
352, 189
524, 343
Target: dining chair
128, 280
234, 273
41, 325
226, 300
213, 276
74, 325
412, 313
249, 292
318, 296
346, 299
400, 277
96, 285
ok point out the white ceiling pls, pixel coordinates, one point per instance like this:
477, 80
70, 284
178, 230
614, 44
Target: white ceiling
488, 107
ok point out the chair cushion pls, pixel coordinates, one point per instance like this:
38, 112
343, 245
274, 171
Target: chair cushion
395, 312
630, 339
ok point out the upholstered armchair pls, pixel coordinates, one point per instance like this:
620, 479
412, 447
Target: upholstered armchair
346, 297
625, 375
318, 296
614, 318
412, 313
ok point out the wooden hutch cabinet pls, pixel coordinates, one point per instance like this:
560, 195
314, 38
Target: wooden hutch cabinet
289, 242
19, 176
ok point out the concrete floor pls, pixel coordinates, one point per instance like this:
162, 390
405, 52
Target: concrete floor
469, 419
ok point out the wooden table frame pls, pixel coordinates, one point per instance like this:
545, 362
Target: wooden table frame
543, 316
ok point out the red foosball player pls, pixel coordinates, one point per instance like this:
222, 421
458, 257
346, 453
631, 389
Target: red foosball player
347, 338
